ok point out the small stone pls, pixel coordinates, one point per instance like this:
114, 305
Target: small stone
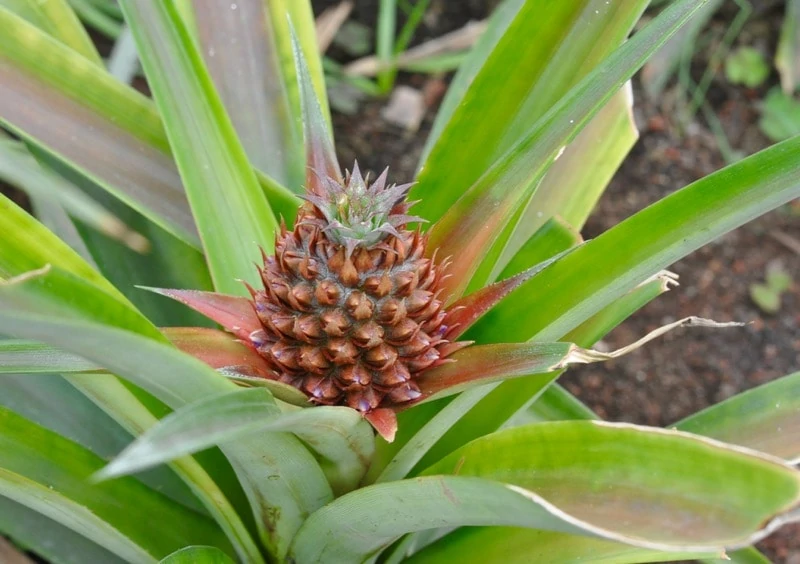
405, 108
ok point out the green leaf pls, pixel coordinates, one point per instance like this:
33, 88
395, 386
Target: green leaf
384, 42
18, 168
177, 379
49, 539
105, 129
468, 227
514, 545
631, 478
286, 15
98, 16
746, 65
53, 291
553, 237
28, 245
663, 64
496, 27
575, 181
232, 215
198, 555
30, 357
170, 262
338, 434
780, 116
484, 410
46, 472
787, 57
58, 19
208, 481
656, 489
239, 48
766, 419
602, 270
80, 418
320, 152
501, 109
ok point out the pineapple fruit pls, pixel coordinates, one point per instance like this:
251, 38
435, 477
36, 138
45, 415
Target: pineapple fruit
351, 308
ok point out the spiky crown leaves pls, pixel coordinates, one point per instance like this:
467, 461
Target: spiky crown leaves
358, 213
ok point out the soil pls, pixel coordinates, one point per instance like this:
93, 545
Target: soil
689, 369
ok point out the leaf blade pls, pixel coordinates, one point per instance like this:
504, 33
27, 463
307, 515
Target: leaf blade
220, 183
106, 130
553, 460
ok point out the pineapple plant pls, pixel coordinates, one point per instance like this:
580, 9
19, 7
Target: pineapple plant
362, 382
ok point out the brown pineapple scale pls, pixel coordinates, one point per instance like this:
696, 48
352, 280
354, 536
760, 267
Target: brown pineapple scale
350, 328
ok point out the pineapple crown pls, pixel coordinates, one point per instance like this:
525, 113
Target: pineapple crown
358, 213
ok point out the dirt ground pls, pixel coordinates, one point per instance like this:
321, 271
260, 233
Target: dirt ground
689, 369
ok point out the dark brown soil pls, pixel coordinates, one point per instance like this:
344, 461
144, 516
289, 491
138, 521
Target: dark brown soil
687, 370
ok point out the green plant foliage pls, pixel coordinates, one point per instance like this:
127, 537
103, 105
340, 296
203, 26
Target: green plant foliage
130, 431
767, 296
746, 66
780, 116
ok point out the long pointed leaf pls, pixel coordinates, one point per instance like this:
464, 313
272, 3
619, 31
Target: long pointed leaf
320, 154
578, 286
766, 418
58, 19
234, 313
28, 245
586, 167
220, 183
498, 24
517, 545
651, 488
197, 555
177, 379
81, 421
35, 461
466, 311
238, 42
557, 44
469, 226
59, 545
20, 169
234, 359
105, 129
337, 434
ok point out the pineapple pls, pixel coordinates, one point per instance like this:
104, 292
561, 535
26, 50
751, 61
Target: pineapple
351, 307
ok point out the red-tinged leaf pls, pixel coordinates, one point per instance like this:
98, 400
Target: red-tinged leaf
487, 363
466, 311
320, 153
234, 359
235, 314
218, 349
384, 421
